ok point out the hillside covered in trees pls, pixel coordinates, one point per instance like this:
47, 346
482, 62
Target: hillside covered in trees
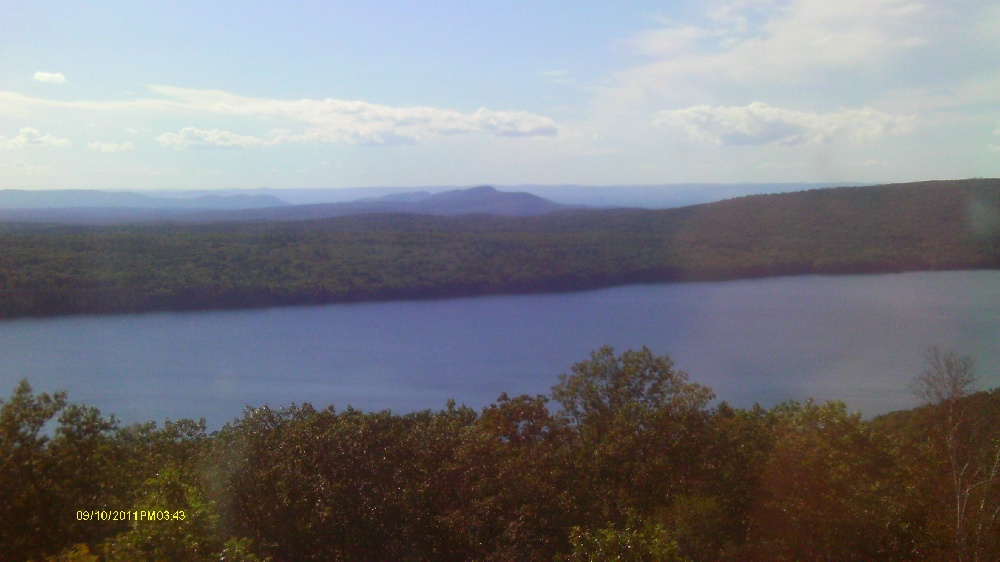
52, 269
626, 459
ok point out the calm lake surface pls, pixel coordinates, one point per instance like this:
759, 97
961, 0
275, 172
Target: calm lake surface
859, 339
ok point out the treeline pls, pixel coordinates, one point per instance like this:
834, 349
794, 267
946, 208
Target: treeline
626, 459
52, 270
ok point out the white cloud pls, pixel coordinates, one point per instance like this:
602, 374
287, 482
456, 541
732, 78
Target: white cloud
31, 138
759, 123
512, 123
110, 146
50, 77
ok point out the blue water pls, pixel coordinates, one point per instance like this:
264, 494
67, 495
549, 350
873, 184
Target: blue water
854, 338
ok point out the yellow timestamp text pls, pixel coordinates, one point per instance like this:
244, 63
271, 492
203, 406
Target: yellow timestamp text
129, 515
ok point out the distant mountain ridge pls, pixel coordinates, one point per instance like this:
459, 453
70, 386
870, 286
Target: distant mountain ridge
474, 200
649, 196
98, 207
92, 198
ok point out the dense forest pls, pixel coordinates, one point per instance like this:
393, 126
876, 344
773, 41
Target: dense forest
625, 459
62, 269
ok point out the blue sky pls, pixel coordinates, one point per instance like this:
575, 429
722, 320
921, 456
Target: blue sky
196, 95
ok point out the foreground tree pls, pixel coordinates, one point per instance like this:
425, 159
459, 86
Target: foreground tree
963, 448
512, 482
640, 432
55, 459
830, 490
26, 487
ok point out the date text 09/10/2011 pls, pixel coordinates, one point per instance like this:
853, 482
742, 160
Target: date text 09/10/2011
129, 515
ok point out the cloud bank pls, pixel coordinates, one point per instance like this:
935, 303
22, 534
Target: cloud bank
853, 51
340, 122
325, 121
759, 123
195, 138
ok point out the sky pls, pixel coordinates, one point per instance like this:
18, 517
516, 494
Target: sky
214, 95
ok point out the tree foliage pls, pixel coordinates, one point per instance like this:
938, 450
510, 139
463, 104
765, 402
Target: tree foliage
627, 460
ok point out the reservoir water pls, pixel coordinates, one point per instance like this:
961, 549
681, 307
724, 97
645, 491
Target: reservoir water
859, 339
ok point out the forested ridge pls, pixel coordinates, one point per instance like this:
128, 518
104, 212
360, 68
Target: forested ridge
625, 459
53, 269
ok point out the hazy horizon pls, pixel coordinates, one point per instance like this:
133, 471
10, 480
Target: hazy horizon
650, 195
